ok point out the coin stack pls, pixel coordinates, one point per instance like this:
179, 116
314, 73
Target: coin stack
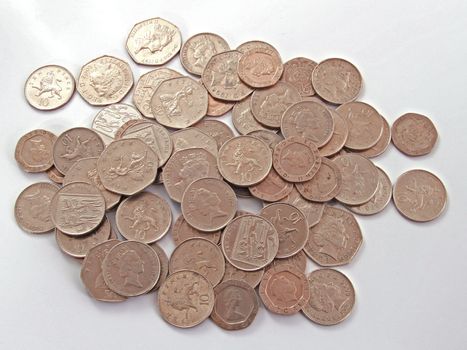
304, 149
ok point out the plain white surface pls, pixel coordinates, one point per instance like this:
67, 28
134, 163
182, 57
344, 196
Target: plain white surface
410, 278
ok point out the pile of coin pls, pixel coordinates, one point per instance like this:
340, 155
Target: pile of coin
304, 149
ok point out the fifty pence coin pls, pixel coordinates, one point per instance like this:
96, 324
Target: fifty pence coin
34, 151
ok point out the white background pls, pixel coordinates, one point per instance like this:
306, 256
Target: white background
410, 278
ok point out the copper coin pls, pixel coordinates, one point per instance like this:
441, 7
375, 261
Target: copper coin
250, 242
268, 137
217, 107
32, 207
49, 87
153, 42
272, 188
268, 105
419, 195
260, 67
414, 134
250, 277
186, 166
181, 232
332, 297
201, 256
144, 217
77, 208
218, 130
198, 50
193, 138
54, 175
284, 290
236, 305
298, 72
34, 151
131, 268
242, 118
244, 160
208, 204
335, 239
92, 276
296, 159
254, 44
127, 166
75, 144
359, 179
336, 80
381, 145
104, 80
164, 260
299, 261
312, 210
185, 299
242, 192
338, 138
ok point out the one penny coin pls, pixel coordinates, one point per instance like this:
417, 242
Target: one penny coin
272, 188
298, 72
253, 278
312, 210
260, 67
181, 232
34, 151
193, 138
243, 119
338, 138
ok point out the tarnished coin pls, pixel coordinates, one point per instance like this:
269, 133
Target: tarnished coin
32, 207
312, 210
335, 239
296, 159
198, 50
105, 80
127, 166
419, 195
218, 130
260, 67
291, 226
244, 160
272, 188
270, 138
254, 44
298, 72
359, 179
201, 256
414, 134
221, 79
208, 204
179, 102
144, 217
164, 260
325, 185
185, 299
54, 175
242, 192
338, 138
75, 144
49, 87
364, 123
308, 119
332, 297
236, 305
381, 145
250, 242
153, 42
92, 276
78, 246
336, 80
251, 277
217, 107
268, 105
186, 166
284, 290
299, 261
242, 118
77, 208
181, 232
193, 138
34, 151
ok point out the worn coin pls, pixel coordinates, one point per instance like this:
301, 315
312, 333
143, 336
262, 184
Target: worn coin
268, 137
338, 138
381, 145
254, 44
242, 118
260, 67
272, 188
299, 261
181, 232
218, 130
298, 72
34, 151
193, 138
164, 260
54, 175
217, 107
251, 277
312, 210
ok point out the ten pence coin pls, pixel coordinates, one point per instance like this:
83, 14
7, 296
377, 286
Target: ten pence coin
251, 277
260, 67
164, 260
312, 210
34, 151
181, 232
298, 72
338, 138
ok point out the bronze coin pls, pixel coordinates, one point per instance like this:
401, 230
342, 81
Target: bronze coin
54, 175
260, 67
381, 145
254, 44
242, 118
268, 137
251, 277
164, 260
193, 138
298, 72
218, 130
272, 188
299, 261
338, 138
34, 151
181, 232
312, 210
217, 107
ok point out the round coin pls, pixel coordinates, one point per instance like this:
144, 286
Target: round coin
242, 118
54, 175
260, 67
299, 261
272, 188
338, 138
164, 260
312, 210
252, 278
193, 138
34, 151
381, 145
298, 72
254, 44
270, 138
218, 130
181, 232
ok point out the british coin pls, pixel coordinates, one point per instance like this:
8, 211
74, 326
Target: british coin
298, 72
220, 77
153, 42
291, 226
218, 130
185, 299
127, 166
75, 144
32, 207
208, 204
268, 137
250, 277
296, 159
217, 107
338, 138
284, 290
49, 87
308, 119
201, 256
250, 242
260, 67
268, 105
181, 232
335, 240
365, 125
164, 260
193, 138
77, 208
105, 80
414, 134
144, 217
332, 297
198, 50
244, 160
34, 151
242, 118
125, 126
179, 102
272, 188
54, 175
419, 195
186, 166
299, 261
254, 44
242, 192
381, 145
336, 80
359, 179
325, 185
312, 210
92, 276
236, 305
